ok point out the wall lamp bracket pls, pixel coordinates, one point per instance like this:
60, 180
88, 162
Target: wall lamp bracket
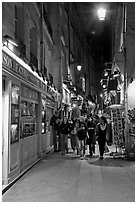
9, 39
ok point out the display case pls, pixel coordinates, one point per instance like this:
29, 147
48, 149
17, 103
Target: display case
131, 119
28, 118
43, 115
14, 128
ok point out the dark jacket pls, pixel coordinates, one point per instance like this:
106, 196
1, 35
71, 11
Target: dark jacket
82, 131
64, 128
54, 122
101, 134
91, 132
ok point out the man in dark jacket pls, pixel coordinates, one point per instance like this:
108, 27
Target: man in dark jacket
54, 122
91, 133
64, 131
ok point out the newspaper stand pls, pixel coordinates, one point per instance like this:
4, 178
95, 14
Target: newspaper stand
117, 129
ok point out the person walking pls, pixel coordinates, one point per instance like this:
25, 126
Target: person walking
91, 141
54, 123
101, 131
82, 132
64, 131
73, 135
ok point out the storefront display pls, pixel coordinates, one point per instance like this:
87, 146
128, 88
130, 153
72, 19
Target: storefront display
14, 128
43, 116
131, 119
28, 112
117, 125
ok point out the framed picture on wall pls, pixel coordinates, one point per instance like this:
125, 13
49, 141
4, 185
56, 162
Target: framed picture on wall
14, 134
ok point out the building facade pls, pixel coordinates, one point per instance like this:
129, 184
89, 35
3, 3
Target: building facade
42, 43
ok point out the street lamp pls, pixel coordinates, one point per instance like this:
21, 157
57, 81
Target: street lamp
101, 13
79, 67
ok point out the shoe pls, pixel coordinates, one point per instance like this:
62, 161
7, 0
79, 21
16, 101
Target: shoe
101, 157
81, 158
86, 158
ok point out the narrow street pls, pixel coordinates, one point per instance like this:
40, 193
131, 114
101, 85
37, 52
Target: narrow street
66, 178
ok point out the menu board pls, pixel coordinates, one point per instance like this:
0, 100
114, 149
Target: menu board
14, 128
117, 127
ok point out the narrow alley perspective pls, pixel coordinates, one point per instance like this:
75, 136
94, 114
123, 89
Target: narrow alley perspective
66, 178
68, 101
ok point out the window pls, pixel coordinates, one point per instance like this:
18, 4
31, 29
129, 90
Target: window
14, 128
28, 106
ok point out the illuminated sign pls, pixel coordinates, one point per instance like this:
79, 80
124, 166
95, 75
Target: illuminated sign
12, 65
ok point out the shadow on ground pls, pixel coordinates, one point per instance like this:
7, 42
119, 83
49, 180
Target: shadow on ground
111, 162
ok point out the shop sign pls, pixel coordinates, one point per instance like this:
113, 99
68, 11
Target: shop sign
29, 93
11, 64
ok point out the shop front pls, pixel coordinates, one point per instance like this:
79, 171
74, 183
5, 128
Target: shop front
21, 119
66, 104
48, 107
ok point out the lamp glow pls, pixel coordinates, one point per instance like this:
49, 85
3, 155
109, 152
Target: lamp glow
101, 14
79, 67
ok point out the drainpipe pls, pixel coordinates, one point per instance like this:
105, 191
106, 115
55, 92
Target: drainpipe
125, 81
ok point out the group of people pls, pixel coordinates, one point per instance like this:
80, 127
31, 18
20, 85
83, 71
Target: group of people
83, 131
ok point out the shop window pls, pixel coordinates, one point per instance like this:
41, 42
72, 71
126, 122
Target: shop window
48, 117
28, 106
14, 128
43, 116
28, 118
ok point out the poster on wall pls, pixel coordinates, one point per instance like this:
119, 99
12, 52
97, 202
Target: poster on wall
117, 126
14, 128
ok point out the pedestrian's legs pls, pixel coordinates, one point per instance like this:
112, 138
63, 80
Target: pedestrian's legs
72, 141
59, 142
101, 149
55, 139
90, 149
77, 145
66, 142
80, 147
62, 143
84, 146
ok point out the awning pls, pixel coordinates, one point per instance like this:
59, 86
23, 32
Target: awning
116, 106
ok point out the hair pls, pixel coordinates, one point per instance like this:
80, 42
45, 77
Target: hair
56, 112
104, 119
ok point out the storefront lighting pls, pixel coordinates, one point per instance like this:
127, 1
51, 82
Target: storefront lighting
104, 86
10, 40
106, 73
101, 95
74, 105
79, 67
21, 62
101, 13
